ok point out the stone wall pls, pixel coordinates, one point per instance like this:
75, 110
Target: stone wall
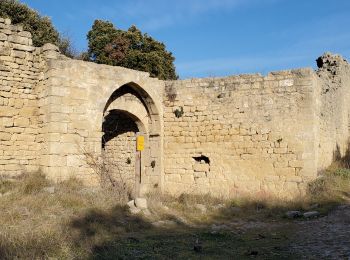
333, 113
22, 84
256, 134
231, 136
80, 96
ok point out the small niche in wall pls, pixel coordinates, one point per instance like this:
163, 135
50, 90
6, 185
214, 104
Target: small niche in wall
202, 159
201, 167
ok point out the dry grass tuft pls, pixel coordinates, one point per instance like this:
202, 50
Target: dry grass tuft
35, 223
332, 187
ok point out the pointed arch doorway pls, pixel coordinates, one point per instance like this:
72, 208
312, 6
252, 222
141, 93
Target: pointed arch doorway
131, 113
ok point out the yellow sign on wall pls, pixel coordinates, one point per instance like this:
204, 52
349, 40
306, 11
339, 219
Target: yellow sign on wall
140, 143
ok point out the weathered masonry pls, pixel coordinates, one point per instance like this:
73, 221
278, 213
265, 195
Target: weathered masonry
227, 136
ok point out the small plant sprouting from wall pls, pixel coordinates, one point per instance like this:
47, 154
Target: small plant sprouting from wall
171, 93
179, 112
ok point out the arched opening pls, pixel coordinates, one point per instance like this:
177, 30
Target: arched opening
130, 112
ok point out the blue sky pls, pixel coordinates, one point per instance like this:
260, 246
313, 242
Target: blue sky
218, 37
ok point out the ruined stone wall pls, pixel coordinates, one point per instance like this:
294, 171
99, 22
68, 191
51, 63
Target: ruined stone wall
79, 93
230, 136
240, 135
333, 113
21, 85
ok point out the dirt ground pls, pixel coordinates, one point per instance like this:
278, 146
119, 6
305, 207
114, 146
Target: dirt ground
324, 238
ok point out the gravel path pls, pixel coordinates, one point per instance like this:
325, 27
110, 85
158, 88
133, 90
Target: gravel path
325, 238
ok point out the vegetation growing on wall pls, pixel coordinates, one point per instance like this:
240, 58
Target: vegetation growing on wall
131, 49
107, 44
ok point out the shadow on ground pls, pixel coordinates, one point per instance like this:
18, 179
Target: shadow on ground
119, 235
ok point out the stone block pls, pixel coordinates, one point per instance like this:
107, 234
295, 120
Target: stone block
22, 47
28, 111
3, 37
293, 178
65, 148
53, 160
285, 171
25, 34
199, 175
75, 160
12, 167
19, 54
7, 111
187, 179
18, 103
173, 178
78, 93
280, 150
296, 163
25, 137
71, 138
21, 122
59, 117
49, 47
57, 127
141, 203
5, 136
18, 39
286, 83
7, 121
280, 164
199, 167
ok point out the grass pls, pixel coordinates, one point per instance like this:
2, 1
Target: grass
76, 222
35, 224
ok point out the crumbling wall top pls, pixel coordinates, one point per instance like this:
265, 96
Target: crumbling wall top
331, 64
16, 38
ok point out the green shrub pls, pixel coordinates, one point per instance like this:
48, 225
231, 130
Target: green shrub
130, 49
343, 173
